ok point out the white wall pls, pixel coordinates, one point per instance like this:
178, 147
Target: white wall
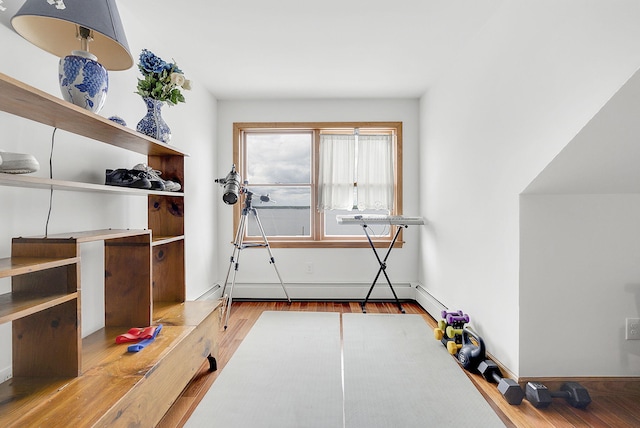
580, 248
341, 273
580, 278
24, 211
532, 78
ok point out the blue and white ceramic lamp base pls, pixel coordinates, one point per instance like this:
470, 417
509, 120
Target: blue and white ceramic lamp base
83, 80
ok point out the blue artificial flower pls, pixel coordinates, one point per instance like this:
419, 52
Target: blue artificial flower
151, 63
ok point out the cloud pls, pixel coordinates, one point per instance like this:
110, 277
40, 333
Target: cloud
279, 158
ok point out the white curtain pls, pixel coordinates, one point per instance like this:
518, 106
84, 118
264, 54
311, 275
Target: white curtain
375, 172
337, 172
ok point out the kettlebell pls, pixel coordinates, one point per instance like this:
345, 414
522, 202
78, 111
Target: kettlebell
471, 355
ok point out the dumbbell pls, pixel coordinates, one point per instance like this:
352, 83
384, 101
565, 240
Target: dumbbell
457, 320
445, 332
458, 317
509, 388
445, 314
438, 332
451, 331
453, 347
575, 394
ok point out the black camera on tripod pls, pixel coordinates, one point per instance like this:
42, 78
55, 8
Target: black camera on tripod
233, 186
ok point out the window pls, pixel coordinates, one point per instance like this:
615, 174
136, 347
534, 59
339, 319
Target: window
302, 175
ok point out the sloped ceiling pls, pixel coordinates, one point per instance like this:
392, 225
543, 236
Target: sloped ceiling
604, 157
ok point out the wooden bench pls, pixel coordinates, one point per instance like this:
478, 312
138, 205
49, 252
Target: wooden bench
120, 388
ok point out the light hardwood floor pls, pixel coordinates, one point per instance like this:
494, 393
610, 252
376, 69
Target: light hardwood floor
614, 404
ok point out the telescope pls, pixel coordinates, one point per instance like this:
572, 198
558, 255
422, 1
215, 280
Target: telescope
232, 184
233, 188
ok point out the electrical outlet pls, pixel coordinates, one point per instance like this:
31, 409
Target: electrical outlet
633, 329
309, 267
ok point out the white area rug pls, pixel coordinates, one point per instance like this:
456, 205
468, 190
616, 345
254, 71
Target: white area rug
397, 375
291, 372
285, 373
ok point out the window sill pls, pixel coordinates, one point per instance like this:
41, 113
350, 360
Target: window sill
328, 244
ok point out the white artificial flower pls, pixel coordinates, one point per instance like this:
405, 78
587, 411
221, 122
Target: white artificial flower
187, 85
2, 8
177, 79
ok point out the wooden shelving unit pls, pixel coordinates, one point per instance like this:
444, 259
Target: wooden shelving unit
59, 378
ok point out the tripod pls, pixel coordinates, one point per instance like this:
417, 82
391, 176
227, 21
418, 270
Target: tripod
239, 245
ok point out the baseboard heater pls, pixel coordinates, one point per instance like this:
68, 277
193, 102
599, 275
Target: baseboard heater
211, 293
429, 303
320, 291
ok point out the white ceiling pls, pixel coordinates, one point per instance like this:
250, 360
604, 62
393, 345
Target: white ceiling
242, 49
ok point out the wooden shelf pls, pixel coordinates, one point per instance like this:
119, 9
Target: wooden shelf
161, 240
13, 307
87, 235
13, 266
21, 180
31, 103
